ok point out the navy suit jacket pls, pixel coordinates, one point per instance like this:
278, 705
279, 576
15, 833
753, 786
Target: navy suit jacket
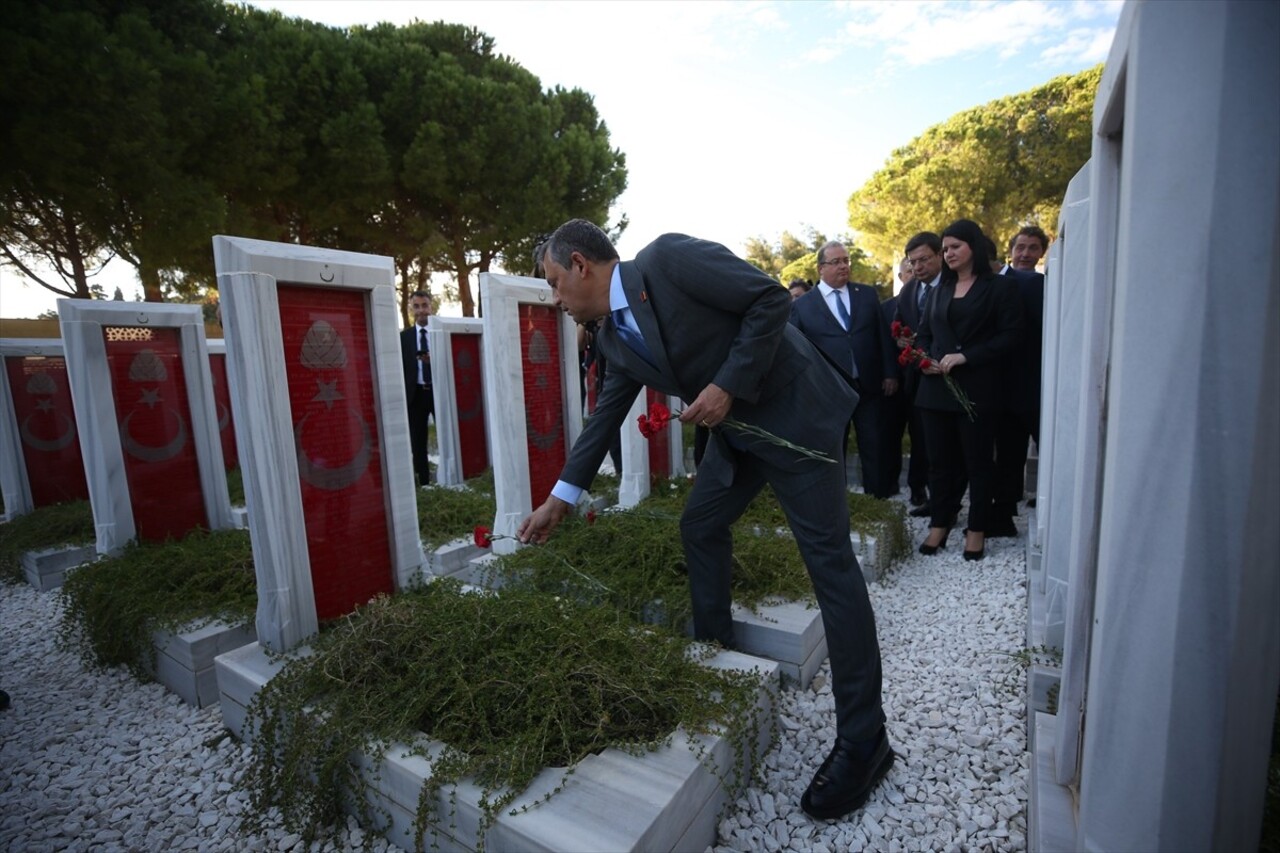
708, 316
1025, 364
866, 344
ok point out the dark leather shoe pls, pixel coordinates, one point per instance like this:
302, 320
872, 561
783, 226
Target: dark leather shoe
919, 512
919, 497
845, 781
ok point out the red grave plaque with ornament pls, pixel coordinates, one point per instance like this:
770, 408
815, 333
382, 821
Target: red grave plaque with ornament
543, 396
222, 403
154, 419
660, 444
337, 436
47, 429
469, 390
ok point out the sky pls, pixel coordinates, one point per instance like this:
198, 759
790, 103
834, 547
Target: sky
747, 118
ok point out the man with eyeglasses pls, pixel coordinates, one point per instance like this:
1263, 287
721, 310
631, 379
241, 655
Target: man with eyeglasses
924, 253
843, 319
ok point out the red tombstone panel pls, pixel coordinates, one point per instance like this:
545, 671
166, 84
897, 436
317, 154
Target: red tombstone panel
336, 431
47, 428
469, 390
222, 402
154, 419
660, 444
543, 396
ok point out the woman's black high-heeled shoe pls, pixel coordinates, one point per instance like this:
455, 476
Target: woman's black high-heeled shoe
978, 554
928, 549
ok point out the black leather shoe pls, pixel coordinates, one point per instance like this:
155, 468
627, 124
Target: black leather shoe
845, 781
919, 497
919, 512
1002, 527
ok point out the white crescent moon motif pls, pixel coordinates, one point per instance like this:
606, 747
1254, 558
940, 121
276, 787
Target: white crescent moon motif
339, 478
48, 445
224, 417
148, 453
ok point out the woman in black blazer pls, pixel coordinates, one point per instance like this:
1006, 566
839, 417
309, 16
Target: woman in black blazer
971, 322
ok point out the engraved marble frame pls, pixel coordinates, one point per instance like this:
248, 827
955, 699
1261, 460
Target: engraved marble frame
504, 392
15, 483
439, 332
248, 271
85, 350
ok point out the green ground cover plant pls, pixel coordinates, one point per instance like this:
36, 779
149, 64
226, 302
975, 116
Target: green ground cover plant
511, 682
112, 607
68, 523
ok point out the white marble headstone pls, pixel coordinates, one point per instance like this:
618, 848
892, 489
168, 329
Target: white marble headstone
449, 415
250, 275
105, 439
15, 479
517, 423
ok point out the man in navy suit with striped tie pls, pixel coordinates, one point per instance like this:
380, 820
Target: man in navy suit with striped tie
688, 317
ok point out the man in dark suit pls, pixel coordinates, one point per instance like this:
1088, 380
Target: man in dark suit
1020, 420
924, 253
844, 321
415, 356
687, 317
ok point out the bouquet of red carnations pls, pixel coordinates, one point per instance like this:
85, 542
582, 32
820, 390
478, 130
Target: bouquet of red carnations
913, 355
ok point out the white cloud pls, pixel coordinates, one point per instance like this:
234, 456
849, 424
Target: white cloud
1080, 46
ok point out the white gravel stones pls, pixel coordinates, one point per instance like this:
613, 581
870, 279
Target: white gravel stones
95, 760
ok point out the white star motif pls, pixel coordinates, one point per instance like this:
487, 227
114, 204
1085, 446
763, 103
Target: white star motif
328, 393
45, 405
150, 396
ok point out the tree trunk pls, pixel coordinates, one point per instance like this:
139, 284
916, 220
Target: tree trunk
458, 255
150, 278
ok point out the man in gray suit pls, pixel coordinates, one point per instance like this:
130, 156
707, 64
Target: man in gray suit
687, 317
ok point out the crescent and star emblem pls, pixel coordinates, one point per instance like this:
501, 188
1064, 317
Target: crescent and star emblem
148, 452
323, 349
540, 354
466, 376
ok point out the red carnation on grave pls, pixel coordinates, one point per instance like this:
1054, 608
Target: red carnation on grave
591, 516
483, 536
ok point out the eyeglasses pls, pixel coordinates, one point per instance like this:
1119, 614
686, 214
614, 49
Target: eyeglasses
835, 262
915, 262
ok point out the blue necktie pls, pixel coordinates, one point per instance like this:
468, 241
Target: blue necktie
921, 297
631, 337
841, 310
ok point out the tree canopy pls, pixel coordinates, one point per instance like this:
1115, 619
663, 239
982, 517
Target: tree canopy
139, 128
791, 257
1004, 165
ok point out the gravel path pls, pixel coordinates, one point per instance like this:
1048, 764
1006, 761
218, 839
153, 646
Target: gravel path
96, 761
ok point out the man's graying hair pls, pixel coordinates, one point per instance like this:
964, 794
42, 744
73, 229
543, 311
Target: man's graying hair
577, 235
822, 253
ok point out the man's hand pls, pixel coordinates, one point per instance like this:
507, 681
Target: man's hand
546, 518
711, 407
890, 387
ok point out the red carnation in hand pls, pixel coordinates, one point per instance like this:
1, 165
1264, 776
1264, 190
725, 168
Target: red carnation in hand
896, 328
925, 364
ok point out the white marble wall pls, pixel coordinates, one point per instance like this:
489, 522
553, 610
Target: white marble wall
501, 296
440, 331
248, 271
82, 323
1165, 477
15, 485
